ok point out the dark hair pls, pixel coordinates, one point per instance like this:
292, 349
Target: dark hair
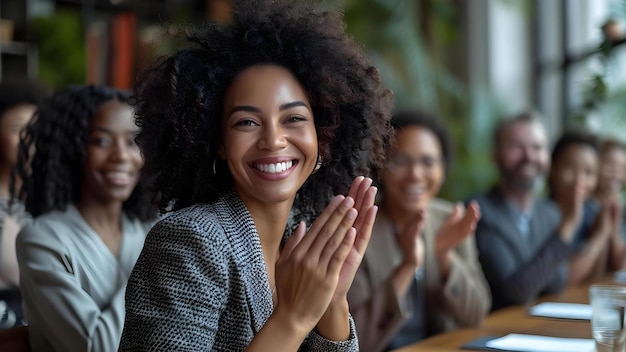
430, 122
58, 134
13, 94
610, 144
574, 137
524, 117
567, 139
179, 101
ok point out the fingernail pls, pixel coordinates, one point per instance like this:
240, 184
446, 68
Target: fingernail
352, 213
338, 199
348, 202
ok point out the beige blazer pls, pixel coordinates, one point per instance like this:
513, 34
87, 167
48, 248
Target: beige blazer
379, 312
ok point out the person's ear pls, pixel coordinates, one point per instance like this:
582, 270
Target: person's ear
221, 152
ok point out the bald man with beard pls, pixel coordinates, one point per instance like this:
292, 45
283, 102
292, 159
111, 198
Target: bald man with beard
523, 241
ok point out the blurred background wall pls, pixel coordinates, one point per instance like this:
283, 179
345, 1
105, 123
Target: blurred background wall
471, 61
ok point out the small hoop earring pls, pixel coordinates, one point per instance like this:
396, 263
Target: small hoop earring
215, 166
318, 165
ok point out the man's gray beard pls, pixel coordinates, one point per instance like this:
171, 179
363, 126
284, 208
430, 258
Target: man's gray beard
533, 186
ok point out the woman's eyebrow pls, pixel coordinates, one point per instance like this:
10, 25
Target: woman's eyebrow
293, 105
286, 106
101, 129
247, 108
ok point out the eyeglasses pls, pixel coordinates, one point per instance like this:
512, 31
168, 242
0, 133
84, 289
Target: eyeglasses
403, 163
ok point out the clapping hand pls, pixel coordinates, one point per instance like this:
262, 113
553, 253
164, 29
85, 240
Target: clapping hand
602, 224
411, 242
364, 195
571, 211
459, 225
615, 216
316, 267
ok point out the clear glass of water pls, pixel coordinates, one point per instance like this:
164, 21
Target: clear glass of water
608, 303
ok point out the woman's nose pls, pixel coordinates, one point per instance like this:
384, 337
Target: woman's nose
120, 150
272, 138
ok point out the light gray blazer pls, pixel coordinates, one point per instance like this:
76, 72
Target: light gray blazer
72, 285
200, 284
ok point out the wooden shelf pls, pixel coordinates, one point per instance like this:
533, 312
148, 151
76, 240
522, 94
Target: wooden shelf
14, 48
18, 57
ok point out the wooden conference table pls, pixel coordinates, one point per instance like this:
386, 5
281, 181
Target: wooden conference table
514, 320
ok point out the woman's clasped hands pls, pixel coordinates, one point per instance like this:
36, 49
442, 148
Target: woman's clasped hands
316, 267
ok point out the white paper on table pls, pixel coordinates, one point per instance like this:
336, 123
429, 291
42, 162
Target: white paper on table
562, 310
536, 343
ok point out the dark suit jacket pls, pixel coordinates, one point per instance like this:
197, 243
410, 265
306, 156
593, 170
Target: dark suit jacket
519, 269
379, 312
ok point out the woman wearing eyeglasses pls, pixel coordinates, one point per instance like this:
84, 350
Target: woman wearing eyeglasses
420, 274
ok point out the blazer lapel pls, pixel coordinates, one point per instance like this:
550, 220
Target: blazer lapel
383, 253
241, 231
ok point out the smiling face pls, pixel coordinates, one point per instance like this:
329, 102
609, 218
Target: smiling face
575, 167
268, 139
612, 171
415, 171
113, 161
522, 155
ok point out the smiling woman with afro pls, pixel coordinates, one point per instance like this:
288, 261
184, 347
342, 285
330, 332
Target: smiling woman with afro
257, 123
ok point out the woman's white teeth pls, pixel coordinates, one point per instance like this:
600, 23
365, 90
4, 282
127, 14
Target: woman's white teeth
117, 174
415, 190
275, 168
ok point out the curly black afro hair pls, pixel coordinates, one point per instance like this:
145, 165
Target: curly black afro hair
58, 136
179, 101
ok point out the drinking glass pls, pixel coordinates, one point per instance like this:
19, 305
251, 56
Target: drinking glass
608, 303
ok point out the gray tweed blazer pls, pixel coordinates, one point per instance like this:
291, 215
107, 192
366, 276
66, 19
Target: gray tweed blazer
200, 284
